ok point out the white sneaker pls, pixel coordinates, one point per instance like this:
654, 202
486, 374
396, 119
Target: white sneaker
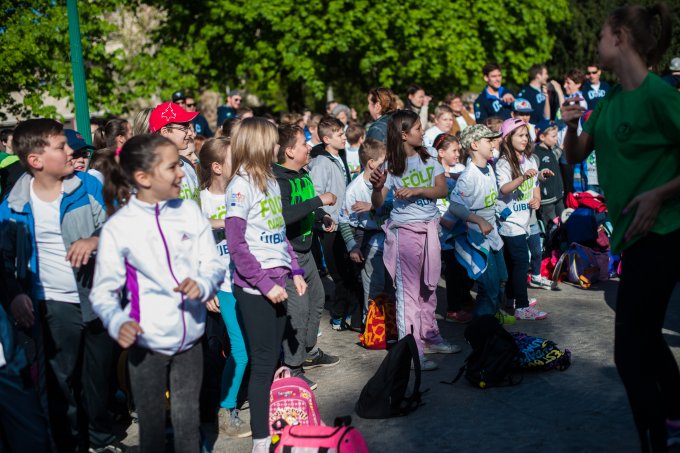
427, 365
442, 348
530, 314
539, 281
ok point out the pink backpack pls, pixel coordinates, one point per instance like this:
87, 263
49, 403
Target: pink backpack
341, 438
291, 400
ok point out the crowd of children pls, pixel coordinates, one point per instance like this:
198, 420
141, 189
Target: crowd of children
158, 253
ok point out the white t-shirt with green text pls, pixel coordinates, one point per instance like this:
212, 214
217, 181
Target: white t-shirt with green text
517, 223
214, 207
416, 174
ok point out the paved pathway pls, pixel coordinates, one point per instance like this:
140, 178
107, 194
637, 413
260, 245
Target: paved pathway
583, 409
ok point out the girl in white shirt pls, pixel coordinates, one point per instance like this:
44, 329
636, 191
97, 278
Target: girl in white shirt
263, 261
161, 249
518, 195
215, 172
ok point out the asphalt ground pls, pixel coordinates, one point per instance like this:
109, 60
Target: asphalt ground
583, 409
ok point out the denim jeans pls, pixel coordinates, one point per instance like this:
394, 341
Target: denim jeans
517, 261
489, 285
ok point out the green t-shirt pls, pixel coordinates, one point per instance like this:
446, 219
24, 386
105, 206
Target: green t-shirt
637, 138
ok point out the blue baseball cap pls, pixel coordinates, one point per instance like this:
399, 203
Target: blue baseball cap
521, 105
543, 126
75, 140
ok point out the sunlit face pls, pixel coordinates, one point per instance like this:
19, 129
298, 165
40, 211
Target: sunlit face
494, 79
190, 105
299, 153
571, 87
593, 74
337, 140
520, 139
549, 138
163, 182
179, 134
372, 164
450, 155
456, 105
444, 122
417, 99
414, 136
542, 78
56, 160
483, 148
374, 108
523, 116
342, 116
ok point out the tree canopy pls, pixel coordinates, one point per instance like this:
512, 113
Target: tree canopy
285, 52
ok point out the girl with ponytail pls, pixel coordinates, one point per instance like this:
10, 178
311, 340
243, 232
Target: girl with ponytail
636, 129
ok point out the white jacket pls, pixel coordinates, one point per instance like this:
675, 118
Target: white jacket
151, 249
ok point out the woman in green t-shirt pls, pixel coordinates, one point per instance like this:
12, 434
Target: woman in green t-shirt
636, 130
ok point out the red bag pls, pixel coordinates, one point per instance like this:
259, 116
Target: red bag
577, 200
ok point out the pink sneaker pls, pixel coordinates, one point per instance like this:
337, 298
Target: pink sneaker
461, 317
530, 314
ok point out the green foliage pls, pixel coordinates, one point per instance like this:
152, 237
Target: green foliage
286, 52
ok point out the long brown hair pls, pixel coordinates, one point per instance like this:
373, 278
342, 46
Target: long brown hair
213, 150
401, 121
385, 98
252, 150
116, 191
508, 152
649, 39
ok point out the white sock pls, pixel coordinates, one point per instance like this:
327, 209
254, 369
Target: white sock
261, 445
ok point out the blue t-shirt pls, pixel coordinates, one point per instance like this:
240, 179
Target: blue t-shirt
487, 105
201, 126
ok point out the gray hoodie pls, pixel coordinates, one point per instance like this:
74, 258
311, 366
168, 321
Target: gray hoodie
327, 175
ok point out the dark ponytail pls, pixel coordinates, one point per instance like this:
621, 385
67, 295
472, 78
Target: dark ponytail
649, 39
140, 153
400, 122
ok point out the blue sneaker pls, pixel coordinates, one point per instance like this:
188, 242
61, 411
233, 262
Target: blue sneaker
337, 324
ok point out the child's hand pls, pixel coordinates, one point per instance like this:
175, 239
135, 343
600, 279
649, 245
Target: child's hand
300, 284
189, 288
278, 294
127, 335
530, 174
80, 251
213, 305
378, 178
329, 224
356, 256
407, 192
545, 174
362, 206
485, 227
535, 203
328, 199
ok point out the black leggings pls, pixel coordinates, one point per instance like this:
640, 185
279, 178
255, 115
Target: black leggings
458, 284
645, 362
342, 270
264, 324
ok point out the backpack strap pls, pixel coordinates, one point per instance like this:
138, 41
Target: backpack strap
558, 267
413, 401
458, 376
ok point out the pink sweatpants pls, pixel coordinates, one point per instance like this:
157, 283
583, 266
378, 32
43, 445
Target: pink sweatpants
416, 303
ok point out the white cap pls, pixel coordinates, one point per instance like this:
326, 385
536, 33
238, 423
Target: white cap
675, 64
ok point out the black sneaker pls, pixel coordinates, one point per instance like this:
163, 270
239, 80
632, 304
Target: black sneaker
298, 373
321, 359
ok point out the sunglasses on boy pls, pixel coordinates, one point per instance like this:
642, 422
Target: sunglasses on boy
82, 153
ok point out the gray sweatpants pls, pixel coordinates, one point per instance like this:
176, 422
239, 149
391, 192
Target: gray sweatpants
304, 314
373, 275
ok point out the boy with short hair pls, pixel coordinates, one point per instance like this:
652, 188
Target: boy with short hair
547, 154
301, 209
313, 128
443, 120
48, 232
361, 225
522, 109
474, 201
174, 123
330, 173
355, 134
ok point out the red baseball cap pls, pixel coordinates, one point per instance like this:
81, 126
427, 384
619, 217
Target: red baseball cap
167, 113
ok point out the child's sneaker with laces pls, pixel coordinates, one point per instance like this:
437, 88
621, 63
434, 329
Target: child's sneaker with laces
426, 365
539, 281
461, 316
232, 425
530, 314
337, 324
442, 348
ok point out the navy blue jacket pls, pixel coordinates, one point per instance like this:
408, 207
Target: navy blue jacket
487, 105
537, 100
592, 95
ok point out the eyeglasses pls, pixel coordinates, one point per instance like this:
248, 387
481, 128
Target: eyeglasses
237, 99
184, 129
191, 105
593, 72
81, 153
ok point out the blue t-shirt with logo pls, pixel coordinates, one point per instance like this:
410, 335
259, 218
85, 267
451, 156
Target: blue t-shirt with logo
487, 105
592, 95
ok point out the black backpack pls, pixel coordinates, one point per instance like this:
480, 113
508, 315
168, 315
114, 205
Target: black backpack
384, 395
493, 357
